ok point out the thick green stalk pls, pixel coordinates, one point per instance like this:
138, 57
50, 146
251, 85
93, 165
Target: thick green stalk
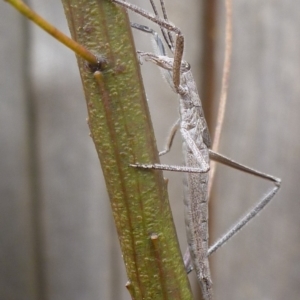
122, 132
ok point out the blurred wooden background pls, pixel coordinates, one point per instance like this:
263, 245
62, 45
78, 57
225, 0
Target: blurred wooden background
57, 238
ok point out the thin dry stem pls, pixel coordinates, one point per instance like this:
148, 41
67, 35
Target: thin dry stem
224, 88
61, 37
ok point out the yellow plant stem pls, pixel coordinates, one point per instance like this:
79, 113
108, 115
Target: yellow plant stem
37, 19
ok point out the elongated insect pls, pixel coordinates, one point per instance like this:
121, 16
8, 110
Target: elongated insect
196, 144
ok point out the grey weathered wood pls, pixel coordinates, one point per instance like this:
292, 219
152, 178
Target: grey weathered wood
260, 131
18, 278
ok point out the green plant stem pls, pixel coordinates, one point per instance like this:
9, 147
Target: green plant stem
122, 132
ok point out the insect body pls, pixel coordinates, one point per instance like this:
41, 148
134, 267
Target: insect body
196, 142
195, 133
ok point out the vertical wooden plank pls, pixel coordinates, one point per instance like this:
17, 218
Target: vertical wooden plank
261, 131
18, 278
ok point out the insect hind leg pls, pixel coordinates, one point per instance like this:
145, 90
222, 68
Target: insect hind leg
255, 210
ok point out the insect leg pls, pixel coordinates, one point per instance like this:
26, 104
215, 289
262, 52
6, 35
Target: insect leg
249, 216
231, 163
255, 210
157, 39
170, 138
166, 73
179, 43
163, 167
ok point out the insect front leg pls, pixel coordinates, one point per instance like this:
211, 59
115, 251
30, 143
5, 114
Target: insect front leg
179, 43
166, 72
